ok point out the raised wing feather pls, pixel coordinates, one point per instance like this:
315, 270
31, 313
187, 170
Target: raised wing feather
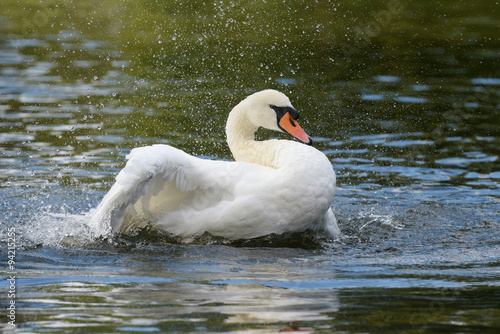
159, 179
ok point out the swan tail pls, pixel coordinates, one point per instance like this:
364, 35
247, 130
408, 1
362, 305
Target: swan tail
329, 225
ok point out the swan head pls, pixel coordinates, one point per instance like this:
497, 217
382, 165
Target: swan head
273, 110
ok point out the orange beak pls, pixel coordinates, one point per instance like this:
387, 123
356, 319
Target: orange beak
289, 125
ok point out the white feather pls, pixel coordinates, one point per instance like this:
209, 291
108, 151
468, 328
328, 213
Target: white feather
277, 186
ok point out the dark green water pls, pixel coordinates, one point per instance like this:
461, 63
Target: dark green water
402, 96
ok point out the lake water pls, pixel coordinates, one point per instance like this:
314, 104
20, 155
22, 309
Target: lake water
402, 96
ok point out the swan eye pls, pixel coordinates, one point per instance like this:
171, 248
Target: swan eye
281, 111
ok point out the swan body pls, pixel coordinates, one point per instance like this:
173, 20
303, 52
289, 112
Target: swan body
274, 186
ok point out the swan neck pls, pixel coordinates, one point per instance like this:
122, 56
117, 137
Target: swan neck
240, 132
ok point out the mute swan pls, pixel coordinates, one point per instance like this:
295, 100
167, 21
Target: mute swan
274, 186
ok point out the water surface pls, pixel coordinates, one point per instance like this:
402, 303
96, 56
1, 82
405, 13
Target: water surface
403, 98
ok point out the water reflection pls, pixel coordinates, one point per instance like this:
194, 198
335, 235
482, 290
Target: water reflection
235, 303
216, 288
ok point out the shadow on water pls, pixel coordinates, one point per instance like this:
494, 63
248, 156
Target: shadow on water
306, 240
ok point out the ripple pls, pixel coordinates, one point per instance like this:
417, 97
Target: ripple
62, 127
22, 43
463, 162
12, 57
386, 78
102, 138
485, 81
286, 81
410, 99
405, 143
372, 97
15, 137
420, 88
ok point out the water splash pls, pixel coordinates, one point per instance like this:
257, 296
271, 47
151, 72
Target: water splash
370, 218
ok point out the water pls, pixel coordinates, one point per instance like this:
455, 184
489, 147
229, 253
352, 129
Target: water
403, 97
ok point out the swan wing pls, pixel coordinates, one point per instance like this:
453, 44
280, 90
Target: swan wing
159, 179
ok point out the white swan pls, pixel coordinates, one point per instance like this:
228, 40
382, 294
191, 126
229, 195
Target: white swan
274, 186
